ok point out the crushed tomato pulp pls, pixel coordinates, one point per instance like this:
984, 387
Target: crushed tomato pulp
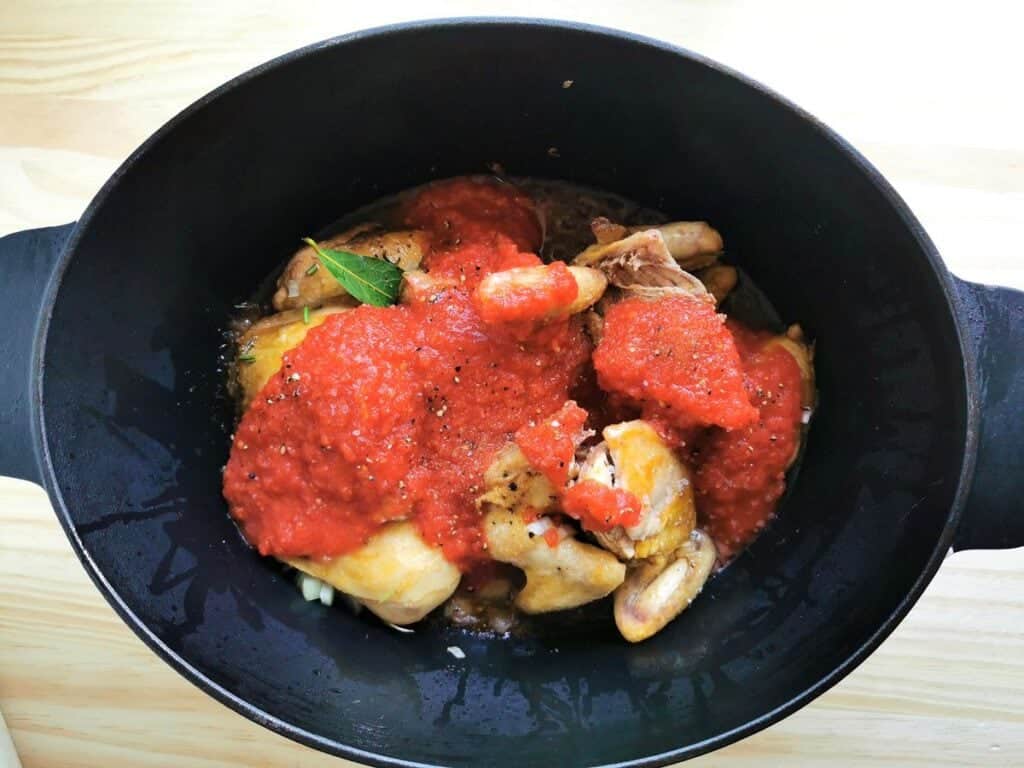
740, 475
392, 413
600, 508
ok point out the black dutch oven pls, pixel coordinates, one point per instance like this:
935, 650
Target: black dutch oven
111, 396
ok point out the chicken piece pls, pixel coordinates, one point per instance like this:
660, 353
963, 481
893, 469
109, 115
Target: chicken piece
657, 590
642, 265
501, 294
593, 321
639, 262
396, 574
607, 231
693, 244
566, 575
719, 279
513, 484
261, 348
419, 286
633, 457
306, 283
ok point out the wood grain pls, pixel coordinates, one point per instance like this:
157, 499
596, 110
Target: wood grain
927, 91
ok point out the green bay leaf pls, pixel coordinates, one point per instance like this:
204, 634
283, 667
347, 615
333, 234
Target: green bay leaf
371, 281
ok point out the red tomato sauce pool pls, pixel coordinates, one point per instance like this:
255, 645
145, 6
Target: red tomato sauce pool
477, 228
550, 445
600, 508
389, 413
674, 355
740, 474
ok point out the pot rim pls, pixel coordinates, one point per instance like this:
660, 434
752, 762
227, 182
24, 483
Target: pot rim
308, 738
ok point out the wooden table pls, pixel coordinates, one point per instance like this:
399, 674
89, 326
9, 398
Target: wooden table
930, 92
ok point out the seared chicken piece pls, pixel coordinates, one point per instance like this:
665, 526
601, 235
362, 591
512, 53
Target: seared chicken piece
655, 591
719, 279
419, 286
633, 457
396, 574
607, 231
693, 244
261, 348
306, 283
593, 321
513, 484
500, 288
650, 262
642, 265
566, 575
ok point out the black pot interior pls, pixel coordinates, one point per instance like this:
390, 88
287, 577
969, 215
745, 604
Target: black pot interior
134, 411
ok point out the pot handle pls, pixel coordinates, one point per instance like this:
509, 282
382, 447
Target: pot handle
994, 515
27, 261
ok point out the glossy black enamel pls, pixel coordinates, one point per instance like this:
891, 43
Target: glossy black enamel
134, 428
27, 261
995, 319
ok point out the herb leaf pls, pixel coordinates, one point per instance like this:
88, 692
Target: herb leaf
371, 281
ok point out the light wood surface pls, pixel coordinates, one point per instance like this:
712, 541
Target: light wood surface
930, 92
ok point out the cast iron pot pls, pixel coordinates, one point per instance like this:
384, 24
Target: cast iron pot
112, 398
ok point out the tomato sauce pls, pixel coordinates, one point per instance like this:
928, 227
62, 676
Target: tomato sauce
389, 413
601, 508
470, 262
551, 445
676, 358
740, 474
477, 228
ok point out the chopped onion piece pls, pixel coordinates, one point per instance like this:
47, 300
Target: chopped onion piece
404, 630
326, 594
539, 526
805, 417
293, 289
457, 652
309, 586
